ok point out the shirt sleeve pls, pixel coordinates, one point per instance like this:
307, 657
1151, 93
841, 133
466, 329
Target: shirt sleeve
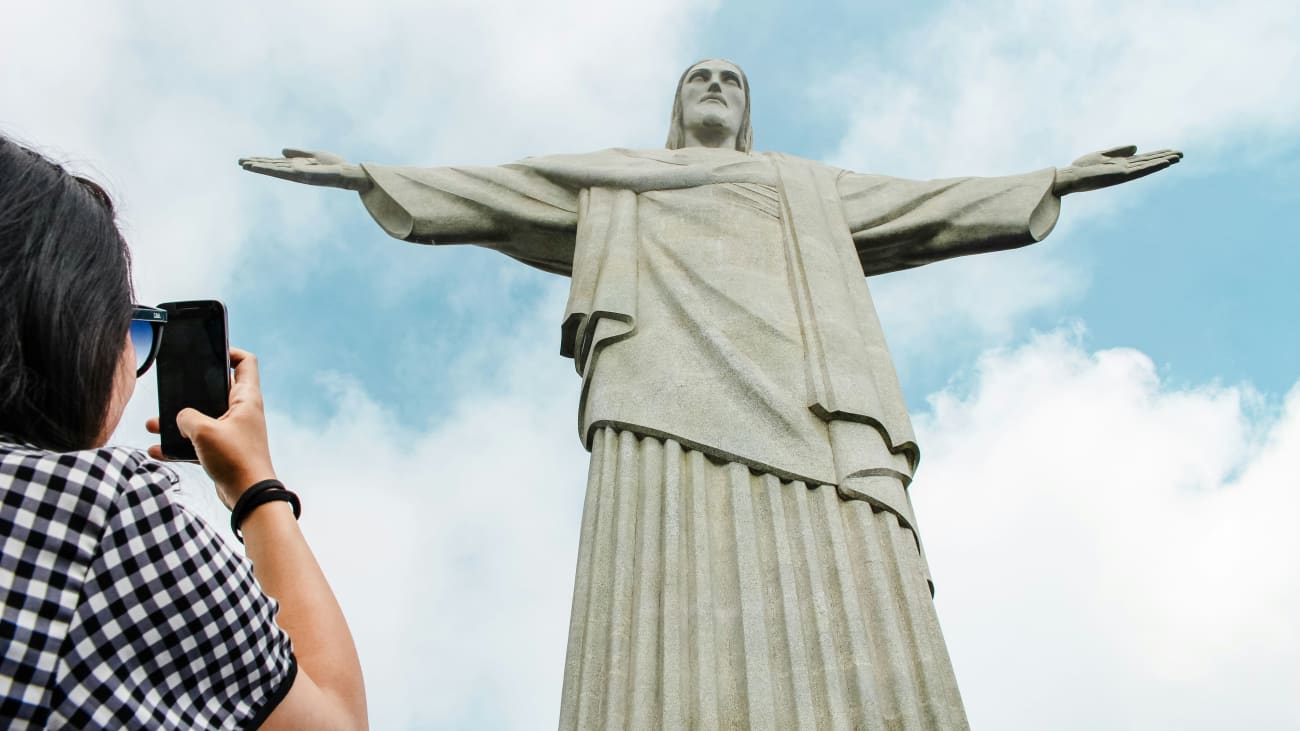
171, 630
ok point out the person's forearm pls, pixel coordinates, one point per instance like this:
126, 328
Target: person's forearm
287, 570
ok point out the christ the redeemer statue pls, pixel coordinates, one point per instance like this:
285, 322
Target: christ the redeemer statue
749, 557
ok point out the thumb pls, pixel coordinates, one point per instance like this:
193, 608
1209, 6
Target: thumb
189, 421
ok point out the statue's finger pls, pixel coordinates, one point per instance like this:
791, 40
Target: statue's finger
1121, 151
1157, 155
1169, 158
1146, 168
264, 160
276, 171
295, 152
257, 165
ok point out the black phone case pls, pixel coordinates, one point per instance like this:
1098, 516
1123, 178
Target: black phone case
170, 367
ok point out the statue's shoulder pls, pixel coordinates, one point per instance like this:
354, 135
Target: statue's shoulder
654, 169
785, 159
683, 156
689, 155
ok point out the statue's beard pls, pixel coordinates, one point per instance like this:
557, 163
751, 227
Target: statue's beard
712, 115
713, 122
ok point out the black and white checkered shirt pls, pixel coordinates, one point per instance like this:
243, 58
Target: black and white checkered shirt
121, 608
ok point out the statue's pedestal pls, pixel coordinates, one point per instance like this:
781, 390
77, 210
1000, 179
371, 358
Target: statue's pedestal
710, 597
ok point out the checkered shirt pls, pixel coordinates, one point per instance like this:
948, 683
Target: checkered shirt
121, 608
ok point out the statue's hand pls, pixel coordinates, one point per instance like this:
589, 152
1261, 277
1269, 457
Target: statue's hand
312, 168
1111, 167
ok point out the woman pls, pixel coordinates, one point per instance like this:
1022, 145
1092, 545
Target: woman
119, 608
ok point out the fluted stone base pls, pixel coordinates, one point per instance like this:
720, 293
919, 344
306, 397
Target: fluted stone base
709, 597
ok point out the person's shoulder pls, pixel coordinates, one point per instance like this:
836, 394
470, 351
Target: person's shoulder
58, 507
91, 478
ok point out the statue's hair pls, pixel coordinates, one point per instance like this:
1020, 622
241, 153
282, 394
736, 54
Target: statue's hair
677, 128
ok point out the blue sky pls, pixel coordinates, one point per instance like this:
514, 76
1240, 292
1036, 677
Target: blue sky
1110, 419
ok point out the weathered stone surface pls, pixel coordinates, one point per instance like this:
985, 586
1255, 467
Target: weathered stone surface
709, 596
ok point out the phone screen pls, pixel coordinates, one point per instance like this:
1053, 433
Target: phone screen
193, 369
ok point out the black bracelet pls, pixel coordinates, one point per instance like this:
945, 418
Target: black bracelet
260, 494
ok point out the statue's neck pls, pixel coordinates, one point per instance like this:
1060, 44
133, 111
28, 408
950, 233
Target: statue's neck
719, 138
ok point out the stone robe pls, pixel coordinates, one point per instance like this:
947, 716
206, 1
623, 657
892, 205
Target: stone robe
749, 557
718, 297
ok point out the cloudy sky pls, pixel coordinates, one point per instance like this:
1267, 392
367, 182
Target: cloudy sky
1110, 420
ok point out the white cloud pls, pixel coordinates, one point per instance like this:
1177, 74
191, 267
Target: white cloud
970, 301
161, 100
1014, 85
1111, 552
451, 551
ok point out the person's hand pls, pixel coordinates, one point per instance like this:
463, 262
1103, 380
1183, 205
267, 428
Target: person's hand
312, 168
232, 448
1111, 167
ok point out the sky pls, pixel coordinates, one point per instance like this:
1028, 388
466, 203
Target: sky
1109, 420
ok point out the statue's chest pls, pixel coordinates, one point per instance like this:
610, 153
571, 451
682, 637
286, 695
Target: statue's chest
724, 238
724, 225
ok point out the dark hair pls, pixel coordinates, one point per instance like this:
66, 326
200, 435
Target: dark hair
65, 302
677, 127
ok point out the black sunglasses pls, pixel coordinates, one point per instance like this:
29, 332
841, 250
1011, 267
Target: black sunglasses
146, 334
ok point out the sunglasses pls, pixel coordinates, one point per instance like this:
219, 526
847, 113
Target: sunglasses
146, 334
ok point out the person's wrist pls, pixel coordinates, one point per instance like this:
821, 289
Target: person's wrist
234, 488
256, 498
266, 512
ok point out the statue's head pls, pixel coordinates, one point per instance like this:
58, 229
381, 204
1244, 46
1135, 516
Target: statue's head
712, 102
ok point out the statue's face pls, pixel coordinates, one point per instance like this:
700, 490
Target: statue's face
713, 98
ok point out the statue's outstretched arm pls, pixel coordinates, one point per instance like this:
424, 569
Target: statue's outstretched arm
507, 208
1111, 167
898, 224
312, 168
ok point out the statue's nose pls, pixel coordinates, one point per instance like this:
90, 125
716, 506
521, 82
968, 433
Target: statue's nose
715, 86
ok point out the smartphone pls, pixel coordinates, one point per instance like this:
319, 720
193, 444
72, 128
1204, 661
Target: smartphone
193, 369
